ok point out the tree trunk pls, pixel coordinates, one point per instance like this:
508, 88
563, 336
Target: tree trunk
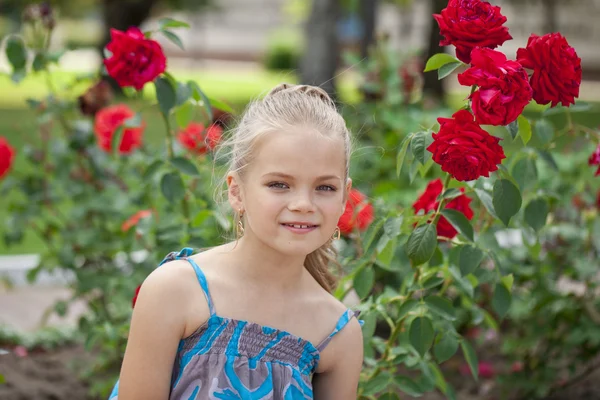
121, 15
320, 58
368, 16
432, 86
550, 16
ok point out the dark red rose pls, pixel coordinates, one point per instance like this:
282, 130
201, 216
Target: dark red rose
463, 149
485, 370
95, 98
358, 214
503, 91
556, 69
135, 219
135, 296
135, 60
199, 139
7, 155
108, 120
428, 202
467, 24
595, 160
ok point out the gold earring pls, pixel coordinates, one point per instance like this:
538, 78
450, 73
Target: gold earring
337, 233
239, 229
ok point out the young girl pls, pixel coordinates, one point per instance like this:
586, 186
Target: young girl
254, 318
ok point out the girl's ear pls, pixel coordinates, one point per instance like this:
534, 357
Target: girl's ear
234, 192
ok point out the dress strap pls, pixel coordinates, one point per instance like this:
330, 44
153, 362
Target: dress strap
184, 255
342, 322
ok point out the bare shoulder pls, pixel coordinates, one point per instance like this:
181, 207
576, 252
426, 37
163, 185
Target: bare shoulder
347, 342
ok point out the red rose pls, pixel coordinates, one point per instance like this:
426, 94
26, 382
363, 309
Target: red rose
463, 149
358, 214
135, 296
135, 60
135, 219
199, 139
504, 88
7, 155
108, 120
467, 24
428, 202
593, 160
556, 69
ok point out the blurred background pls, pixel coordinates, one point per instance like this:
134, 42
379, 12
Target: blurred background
237, 50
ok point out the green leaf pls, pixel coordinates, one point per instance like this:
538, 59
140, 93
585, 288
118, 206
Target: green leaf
16, 53
407, 307
536, 213
173, 38
171, 23
218, 104
446, 347
184, 92
432, 282
508, 281
185, 166
507, 200
469, 259
544, 130
421, 244
513, 129
183, 114
171, 186
471, 358
166, 95
363, 282
39, 62
464, 284
459, 222
386, 255
392, 226
437, 258
525, 173
548, 158
524, 129
152, 169
372, 233
388, 396
447, 69
199, 95
421, 334
419, 144
402, 155
377, 384
501, 300
438, 60
407, 385
451, 193
115, 140
486, 199
441, 307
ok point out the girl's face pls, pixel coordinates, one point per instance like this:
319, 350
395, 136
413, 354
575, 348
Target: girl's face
293, 192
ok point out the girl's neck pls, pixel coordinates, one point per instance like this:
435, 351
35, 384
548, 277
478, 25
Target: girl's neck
258, 263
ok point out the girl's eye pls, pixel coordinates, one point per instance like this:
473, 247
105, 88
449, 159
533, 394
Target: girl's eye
327, 188
277, 185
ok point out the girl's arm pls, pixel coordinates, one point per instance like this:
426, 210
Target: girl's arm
157, 325
339, 381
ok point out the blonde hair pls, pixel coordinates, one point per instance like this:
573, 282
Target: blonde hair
284, 107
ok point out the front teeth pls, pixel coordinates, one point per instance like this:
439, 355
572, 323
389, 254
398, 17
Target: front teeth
299, 226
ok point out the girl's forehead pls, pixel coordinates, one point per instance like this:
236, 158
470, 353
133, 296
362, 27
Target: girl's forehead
299, 152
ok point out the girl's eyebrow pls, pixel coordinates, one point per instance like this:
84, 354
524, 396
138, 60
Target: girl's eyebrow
290, 177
